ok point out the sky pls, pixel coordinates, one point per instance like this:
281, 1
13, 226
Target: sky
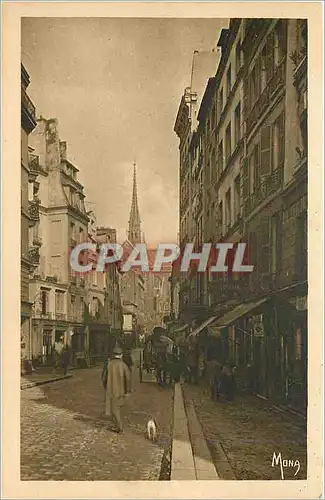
115, 86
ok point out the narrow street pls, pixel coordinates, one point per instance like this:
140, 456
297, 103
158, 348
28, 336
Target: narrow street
241, 435
56, 446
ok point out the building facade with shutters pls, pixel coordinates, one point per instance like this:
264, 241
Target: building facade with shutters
246, 165
275, 200
30, 203
57, 292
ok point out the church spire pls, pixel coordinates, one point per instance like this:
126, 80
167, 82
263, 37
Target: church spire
134, 234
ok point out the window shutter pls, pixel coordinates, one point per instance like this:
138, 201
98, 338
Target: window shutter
281, 140
270, 55
265, 246
245, 177
266, 149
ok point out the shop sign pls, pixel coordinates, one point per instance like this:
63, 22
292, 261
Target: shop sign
257, 323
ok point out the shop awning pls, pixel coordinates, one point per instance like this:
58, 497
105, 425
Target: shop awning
238, 312
202, 326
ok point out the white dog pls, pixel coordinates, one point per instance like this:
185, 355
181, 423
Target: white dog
152, 429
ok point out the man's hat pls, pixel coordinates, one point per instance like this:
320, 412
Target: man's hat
117, 350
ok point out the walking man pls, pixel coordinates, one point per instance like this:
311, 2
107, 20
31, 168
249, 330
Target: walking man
117, 374
128, 361
65, 358
58, 348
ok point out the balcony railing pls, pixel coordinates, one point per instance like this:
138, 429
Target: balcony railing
275, 83
271, 184
298, 57
34, 168
28, 113
33, 210
34, 255
60, 316
47, 315
301, 162
26, 103
52, 279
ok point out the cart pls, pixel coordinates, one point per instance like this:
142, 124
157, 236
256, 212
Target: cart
154, 349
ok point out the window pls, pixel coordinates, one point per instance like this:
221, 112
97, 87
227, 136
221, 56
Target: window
275, 243
213, 117
95, 306
264, 246
208, 175
281, 35
302, 105
228, 209
207, 130
278, 143
270, 56
59, 302
213, 165
301, 245
256, 168
228, 81
228, 142
238, 58
237, 198
73, 230
302, 36
263, 68
253, 87
220, 159
221, 101
220, 219
266, 151
45, 301
237, 124
246, 176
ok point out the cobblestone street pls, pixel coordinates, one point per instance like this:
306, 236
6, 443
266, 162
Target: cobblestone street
56, 446
249, 432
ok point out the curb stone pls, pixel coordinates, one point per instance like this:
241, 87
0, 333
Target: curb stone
204, 466
28, 385
182, 466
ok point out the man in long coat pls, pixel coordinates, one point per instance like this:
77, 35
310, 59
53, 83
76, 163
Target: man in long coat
117, 374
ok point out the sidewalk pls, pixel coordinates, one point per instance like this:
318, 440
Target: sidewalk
43, 375
248, 432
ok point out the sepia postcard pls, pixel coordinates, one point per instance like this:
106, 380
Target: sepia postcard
162, 251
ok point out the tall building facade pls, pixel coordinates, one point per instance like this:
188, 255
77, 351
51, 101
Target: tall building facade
113, 305
191, 178
58, 292
97, 324
30, 203
243, 173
